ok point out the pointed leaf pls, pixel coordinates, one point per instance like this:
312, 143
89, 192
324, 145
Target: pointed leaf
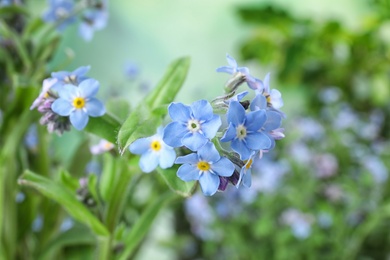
105, 127
182, 188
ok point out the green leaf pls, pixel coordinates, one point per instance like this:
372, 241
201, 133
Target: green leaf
105, 127
143, 224
65, 198
106, 183
68, 181
145, 119
180, 187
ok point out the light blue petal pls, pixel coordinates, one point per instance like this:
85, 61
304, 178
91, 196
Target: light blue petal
258, 141
140, 146
224, 167
148, 161
202, 110
167, 157
247, 178
266, 82
88, 88
241, 148
62, 107
241, 95
95, 107
245, 71
230, 133
188, 172
179, 112
274, 121
191, 158
60, 75
209, 153
81, 71
86, 31
68, 92
160, 131
209, 183
255, 84
231, 61
226, 69
236, 113
79, 119
259, 102
255, 120
272, 146
276, 99
173, 133
194, 141
210, 128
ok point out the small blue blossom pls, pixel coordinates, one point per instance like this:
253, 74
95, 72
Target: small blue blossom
47, 84
153, 152
205, 166
70, 77
193, 126
246, 172
61, 12
274, 97
243, 130
102, 147
79, 103
93, 20
131, 70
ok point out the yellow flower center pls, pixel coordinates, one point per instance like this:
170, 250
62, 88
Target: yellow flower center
155, 145
79, 102
46, 95
248, 164
203, 166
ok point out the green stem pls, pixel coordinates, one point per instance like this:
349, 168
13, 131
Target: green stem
103, 248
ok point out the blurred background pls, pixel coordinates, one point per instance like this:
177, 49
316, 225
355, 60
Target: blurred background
323, 192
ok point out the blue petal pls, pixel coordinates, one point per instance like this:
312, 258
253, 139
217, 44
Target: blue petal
188, 172
258, 141
140, 146
62, 107
167, 157
259, 102
68, 92
224, 167
209, 153
274, 120
210, 128
95, 107
179, 112
209, 183
236, 113
194, 141
81, 71
79, 119
255, 120
240, 147
266, 82
247, 178
173, 133
231, 61
202, 110
226, 69
148, 161
86, 31
191, 158
230, 133
88, 88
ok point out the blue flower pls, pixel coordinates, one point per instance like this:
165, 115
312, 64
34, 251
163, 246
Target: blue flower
274, 118
243, 130
153, 152
234, 69
205, 166
61, 12
93, 20
79, 103
273, 96
70, 77
47, 85
192, 126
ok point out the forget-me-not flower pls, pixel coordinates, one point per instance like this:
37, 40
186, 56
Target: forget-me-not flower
243, 130
193, 126
70, 77
153, 152
205, 166
47, 84
79, 103
93, 20
273, 96
61, 12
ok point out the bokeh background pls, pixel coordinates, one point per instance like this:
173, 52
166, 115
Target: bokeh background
323, 192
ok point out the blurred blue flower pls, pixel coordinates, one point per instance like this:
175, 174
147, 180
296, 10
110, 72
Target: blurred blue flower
243, 130
377, 168
31, 138
66, 224
153, 152
102, 147
132, 70
70, 77
20, 197
79, 103
206, 166
299, 222
192, 126
37, 223
6, 3
61, 13
47, 84
93, 167
93, 20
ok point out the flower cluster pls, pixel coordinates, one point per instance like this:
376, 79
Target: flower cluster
196, 133
68, 98
65, 12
